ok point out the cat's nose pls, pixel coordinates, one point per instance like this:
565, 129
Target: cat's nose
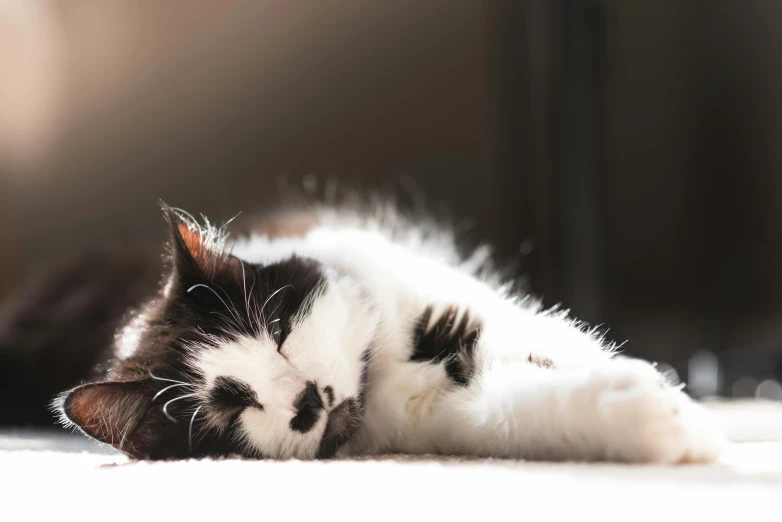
309, 399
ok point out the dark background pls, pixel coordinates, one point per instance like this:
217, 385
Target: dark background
626, 153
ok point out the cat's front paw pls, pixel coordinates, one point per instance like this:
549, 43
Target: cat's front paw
643, 420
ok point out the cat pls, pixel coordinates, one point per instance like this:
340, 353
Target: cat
329, 331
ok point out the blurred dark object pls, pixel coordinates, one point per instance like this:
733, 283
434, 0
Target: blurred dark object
669, 158
623, 154
741, 372
55, 331
677, 196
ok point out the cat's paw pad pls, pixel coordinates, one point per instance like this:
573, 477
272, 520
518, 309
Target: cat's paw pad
645, 421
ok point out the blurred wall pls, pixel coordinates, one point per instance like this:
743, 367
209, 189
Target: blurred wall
217, 107
689, 134
627, 153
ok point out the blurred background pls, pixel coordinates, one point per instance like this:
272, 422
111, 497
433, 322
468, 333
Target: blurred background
625, 155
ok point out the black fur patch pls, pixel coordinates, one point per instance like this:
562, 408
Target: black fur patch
446, 342
541, 362
232, 394
329, 391
308, 406
344, 422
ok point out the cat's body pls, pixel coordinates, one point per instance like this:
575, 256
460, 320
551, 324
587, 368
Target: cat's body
334, 332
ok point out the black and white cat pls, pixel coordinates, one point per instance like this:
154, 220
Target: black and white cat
332, 332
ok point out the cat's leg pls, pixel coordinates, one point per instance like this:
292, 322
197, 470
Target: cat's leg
641, 418
526, 384
616, 411
619, 410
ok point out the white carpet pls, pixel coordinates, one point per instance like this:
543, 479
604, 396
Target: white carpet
55, 476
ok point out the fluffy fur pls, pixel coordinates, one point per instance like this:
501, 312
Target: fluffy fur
329, 331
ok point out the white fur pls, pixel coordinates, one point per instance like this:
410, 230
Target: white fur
589, 405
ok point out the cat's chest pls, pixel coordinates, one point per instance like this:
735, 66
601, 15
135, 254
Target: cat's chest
399, 393
410, 372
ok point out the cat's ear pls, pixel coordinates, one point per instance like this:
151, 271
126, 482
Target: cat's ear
119, 413
197, 251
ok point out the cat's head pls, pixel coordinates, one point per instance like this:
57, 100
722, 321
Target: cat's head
233, 357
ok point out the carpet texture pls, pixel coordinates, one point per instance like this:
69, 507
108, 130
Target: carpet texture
51, 475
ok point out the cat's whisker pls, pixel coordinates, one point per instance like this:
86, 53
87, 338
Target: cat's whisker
232, 308
273, 294
274, 312
257, 313
165, 406
246, 297
185, 213
225, 225
226, 319
161, 392
155, 377
211, 290
252, 306
190, 429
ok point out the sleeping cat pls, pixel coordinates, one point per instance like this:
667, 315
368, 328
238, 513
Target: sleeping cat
333, 332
